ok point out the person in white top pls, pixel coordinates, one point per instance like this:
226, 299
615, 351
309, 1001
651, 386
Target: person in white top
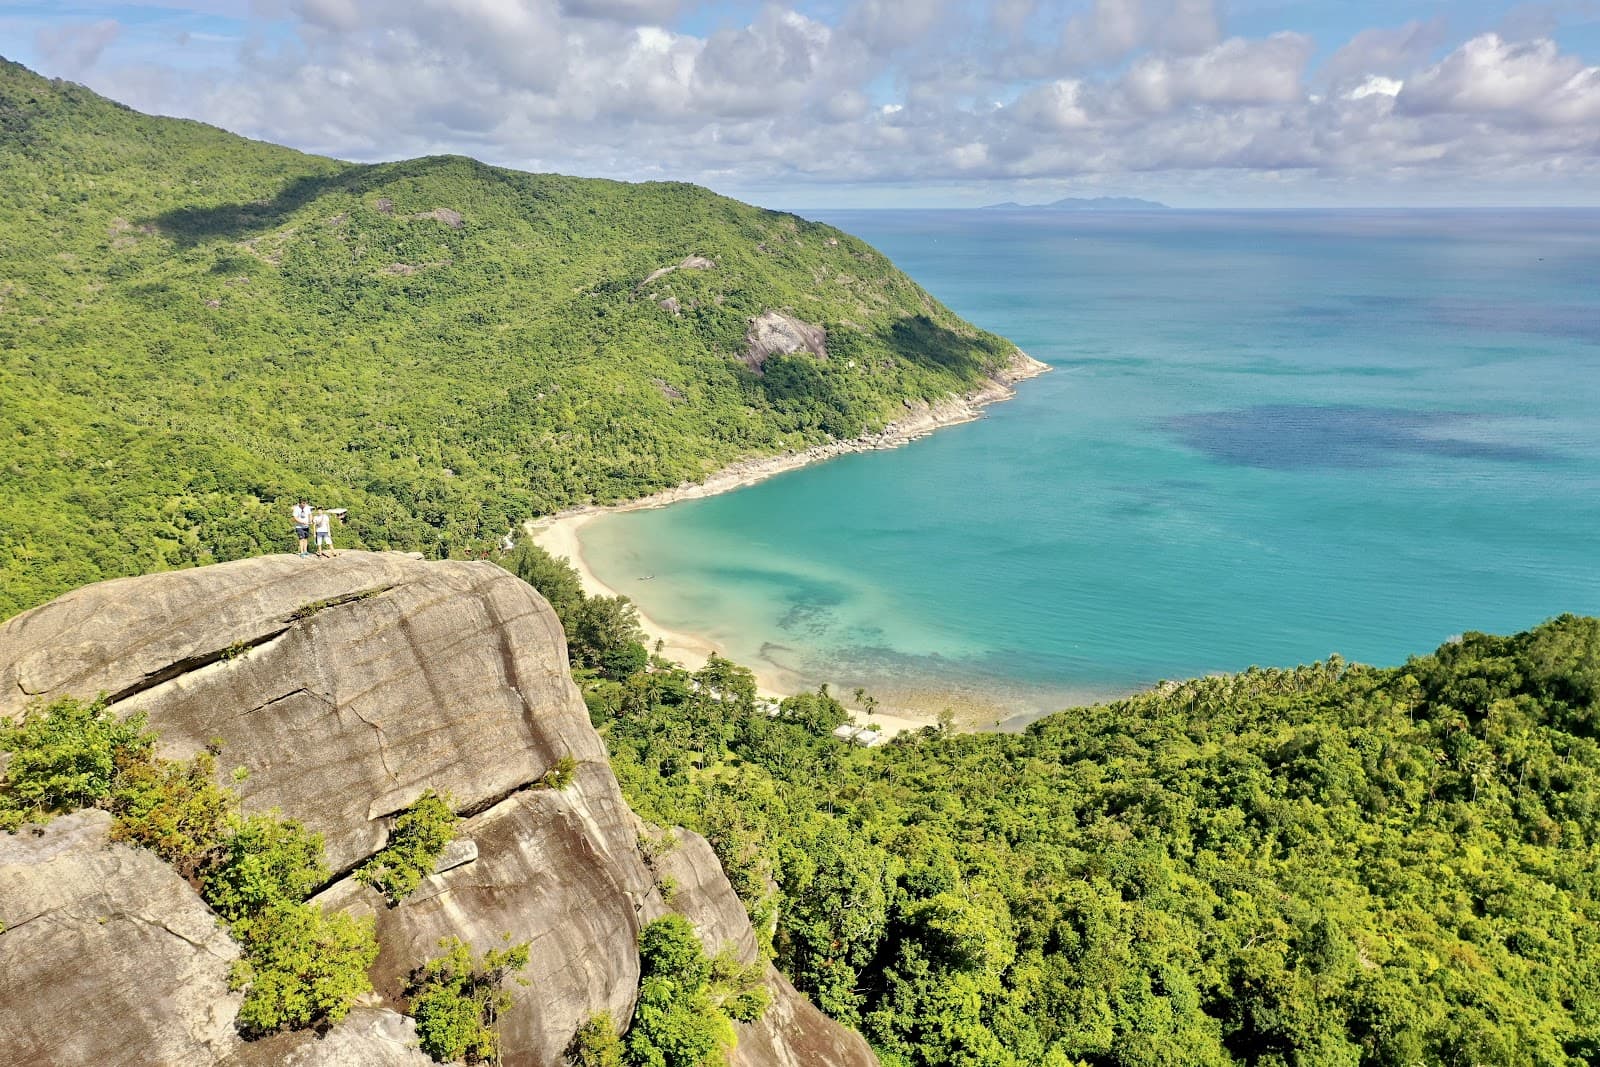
324, 535
302, 525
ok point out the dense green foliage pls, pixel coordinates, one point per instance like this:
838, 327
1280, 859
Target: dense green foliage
688, 1000
1327, 865
456, 1000
420, 834
64, 757
299, 967
176, 809
603, 632
596, 1044
196, 328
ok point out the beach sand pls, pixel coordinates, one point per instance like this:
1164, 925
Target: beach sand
907, 709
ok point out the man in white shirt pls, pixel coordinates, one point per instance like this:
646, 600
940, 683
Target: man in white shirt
302, 525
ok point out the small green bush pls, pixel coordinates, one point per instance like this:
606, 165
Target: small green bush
65, 756
596, 1044
561, 775
457, 1001
175, 808
266, 861
301, 966
420, 834
687, 1000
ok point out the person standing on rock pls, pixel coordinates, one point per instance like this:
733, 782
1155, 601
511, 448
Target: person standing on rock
324, 535
302, 525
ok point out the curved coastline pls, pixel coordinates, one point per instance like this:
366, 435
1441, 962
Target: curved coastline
560, 534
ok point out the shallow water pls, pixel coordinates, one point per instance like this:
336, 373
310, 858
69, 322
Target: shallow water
1268, 437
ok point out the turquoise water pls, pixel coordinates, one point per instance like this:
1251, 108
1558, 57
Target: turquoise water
1268, 437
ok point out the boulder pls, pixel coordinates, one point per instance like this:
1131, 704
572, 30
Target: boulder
559, 869
774, 333
344, 688
107, 956
367, 1037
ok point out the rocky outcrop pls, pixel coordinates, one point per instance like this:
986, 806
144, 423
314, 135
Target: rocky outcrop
688, 263
107, 956
774, 333
558, 869
367, 1037
345, 688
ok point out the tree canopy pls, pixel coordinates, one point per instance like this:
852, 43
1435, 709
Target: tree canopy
1333, 864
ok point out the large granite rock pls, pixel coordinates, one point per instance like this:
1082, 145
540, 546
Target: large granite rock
773, 333
345, 688
107, 956
559, 869
367, 1037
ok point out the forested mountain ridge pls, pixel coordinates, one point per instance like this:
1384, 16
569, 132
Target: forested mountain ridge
195, 327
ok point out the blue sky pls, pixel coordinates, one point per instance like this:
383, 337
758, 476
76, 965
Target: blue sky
838, 103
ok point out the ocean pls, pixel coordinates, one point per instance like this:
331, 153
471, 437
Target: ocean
1267, 437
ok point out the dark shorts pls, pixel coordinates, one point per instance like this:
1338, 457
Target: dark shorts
302, 532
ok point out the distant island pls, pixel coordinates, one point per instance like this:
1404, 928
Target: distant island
1079, 203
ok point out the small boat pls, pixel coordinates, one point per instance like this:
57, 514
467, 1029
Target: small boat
646, 578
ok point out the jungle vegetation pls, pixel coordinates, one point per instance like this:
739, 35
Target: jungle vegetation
196, 328
1333, 864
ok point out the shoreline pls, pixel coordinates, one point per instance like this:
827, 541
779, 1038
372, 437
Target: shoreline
558, 534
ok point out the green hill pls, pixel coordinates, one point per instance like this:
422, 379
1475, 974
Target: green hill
195, 327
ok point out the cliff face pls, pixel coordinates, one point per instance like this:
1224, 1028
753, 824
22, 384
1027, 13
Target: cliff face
346, 688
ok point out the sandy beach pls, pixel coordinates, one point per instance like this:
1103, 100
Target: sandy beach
910, 710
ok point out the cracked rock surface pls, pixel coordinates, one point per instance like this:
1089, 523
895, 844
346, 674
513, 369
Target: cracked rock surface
107, 957
345, 688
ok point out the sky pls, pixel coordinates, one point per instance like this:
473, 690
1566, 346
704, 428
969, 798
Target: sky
888, 103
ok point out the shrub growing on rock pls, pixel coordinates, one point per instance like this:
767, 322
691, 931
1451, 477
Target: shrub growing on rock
65, 756
596, 1044
420, 834
175, 808
687, 1000
267, 860
301, 966
457, 1000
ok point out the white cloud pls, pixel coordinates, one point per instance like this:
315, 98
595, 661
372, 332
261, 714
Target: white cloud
1112, 29
1376, 85
74, 48
885, 91
1237, 71
1385, 51
1058, 105
1487, 76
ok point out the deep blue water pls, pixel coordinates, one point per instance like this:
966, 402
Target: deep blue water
1269, 436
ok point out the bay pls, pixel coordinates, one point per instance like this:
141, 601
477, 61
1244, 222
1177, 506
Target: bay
1267, 437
